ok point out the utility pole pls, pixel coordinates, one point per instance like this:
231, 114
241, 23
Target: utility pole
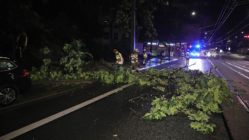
134, 25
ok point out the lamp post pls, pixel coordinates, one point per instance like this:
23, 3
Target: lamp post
134, 25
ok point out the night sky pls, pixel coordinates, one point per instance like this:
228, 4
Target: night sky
176, 18
53, 23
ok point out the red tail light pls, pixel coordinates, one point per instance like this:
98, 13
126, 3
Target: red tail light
25, 73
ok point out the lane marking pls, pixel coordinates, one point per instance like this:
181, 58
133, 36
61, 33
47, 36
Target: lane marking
242, 102
237, 66
244, 63
241, 74
58, 115
241, 65
217, 70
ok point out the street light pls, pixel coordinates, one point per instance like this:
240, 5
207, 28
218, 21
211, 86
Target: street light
193, 13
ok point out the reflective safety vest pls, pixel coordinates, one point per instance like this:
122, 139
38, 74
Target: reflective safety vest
119, 58
145, 55
134, 58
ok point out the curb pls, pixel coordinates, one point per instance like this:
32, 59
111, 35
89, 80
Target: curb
225, 120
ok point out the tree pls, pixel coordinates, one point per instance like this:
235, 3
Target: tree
144, 12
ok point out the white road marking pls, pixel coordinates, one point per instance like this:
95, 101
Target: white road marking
242, 103
217, 70
237, 95
241, 74
241, 65
246, 63
238, 67
58, 115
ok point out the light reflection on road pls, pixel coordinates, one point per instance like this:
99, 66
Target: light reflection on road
154, 62
196, 64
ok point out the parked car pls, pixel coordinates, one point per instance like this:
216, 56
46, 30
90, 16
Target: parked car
13, 80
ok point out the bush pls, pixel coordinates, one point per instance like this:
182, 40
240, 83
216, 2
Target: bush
70, 65
194, 94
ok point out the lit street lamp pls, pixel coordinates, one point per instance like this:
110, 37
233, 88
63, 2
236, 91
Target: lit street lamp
193, 13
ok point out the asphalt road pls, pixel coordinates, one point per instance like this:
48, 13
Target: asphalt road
100, 120
236, 72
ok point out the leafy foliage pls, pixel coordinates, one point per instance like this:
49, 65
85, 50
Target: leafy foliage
192, 93
195, 94
70, 65
73, 61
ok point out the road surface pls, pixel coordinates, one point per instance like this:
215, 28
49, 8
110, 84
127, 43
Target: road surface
105, 118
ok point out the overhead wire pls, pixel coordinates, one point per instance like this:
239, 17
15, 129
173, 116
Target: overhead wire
224, 8
244, 2
230, 6
233, 30
245, 26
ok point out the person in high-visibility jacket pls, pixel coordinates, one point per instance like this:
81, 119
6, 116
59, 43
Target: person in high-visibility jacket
145, 57
119, 57
187, 56
134, 59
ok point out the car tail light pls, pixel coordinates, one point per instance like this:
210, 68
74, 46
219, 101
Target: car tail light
25, 73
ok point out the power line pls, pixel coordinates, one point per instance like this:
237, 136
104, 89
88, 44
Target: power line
208, 26
224, 8
230, 7
245, 26
233, 29
245, 2
221, 15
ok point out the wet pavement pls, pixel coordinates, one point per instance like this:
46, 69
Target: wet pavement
112, 118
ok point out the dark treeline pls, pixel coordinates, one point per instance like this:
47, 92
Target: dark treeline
48, 23
52, 23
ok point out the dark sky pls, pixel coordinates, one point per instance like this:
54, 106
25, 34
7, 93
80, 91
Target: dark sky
173, 22
176, 23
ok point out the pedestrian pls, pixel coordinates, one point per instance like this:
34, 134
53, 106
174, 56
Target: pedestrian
21, 47
134, 59
145, 57
119, 58
187, 56
161, 57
